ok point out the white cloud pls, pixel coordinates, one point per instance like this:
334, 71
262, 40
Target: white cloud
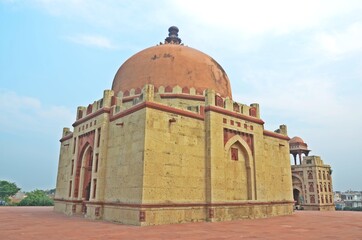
92, 12
240, 18
313, 100
27, 114
92, 40
336, 43
263, 16
112, 15
241, 25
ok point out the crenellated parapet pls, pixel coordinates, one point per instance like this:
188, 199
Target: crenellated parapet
189, 99
67, 134
185, 101
162, 90
214, 99
96, 105
282, 130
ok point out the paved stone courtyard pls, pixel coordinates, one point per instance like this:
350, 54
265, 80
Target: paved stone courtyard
42, 223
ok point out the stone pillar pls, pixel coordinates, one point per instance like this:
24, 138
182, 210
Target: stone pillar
107, 96
300, 158
149, 93
210, 97
257, 107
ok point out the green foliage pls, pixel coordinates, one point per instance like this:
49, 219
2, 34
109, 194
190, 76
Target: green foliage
36, 198
7, 190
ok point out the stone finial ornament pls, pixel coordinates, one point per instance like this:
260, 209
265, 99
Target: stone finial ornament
173, 36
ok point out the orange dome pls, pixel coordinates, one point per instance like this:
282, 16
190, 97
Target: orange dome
172, 65
296, 140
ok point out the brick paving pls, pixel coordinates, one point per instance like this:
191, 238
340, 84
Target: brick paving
42, 223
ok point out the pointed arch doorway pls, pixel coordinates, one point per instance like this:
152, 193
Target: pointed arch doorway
87, 163
84, 173
296, 196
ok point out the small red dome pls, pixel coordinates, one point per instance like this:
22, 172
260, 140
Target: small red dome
296, 140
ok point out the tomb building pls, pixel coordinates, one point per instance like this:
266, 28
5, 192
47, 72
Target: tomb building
168, 144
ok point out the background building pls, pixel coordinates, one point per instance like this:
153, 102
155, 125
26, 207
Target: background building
351, 199
312, 180
168, 145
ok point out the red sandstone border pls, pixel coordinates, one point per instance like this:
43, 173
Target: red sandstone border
183, 96
130, 98
320, 205
175, 205
67, 137
156, 106
92, 115
128, 111
233, 114
169, 109
275, 135
174, 110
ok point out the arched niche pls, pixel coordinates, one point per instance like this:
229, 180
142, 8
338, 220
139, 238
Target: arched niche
239, 167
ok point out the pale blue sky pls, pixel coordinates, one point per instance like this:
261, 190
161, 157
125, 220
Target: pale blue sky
300, 60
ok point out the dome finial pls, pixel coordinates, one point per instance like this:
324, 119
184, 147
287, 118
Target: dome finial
173, 36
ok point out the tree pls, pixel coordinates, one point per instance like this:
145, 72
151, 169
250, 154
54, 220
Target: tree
7, 190
36, 198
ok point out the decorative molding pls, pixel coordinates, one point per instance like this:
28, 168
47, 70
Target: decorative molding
169, 109
90, 116
233, 114
275, 135
156, 106
318, 205
142, 216
247, 137
87, 133
176, 205
67, 200
128, 111
67, 137
130, 98
183, 96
